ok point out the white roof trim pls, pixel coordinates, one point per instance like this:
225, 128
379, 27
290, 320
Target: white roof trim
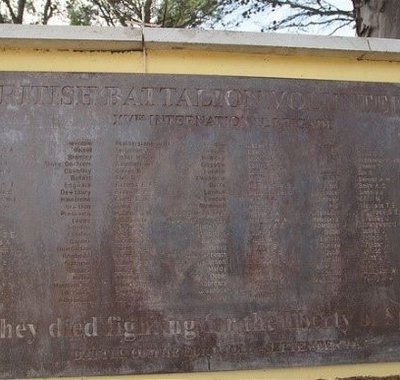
134, 39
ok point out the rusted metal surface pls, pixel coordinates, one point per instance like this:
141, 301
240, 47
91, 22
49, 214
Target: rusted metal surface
182, 223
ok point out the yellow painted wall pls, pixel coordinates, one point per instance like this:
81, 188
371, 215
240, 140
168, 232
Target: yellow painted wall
219, 63
201, 62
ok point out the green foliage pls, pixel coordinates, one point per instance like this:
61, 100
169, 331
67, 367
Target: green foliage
298, 14
165, 13
187, 13
80, 14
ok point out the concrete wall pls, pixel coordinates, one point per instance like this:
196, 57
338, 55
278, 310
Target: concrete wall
76, 49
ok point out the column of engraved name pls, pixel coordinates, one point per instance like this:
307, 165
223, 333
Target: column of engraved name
379, 215
265, 261
131, 193
75, 202
325, 217
212, 207
8, 234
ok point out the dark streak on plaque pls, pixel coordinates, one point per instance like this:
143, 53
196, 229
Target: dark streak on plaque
371, 378
184, 223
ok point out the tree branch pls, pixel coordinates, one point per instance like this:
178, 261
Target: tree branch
12, 14
340, 27
322, 10
106, 16
147, 11
47, 12
165, 13
21, 9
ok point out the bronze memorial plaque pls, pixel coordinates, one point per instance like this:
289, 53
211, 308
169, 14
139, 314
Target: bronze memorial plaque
167, 223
